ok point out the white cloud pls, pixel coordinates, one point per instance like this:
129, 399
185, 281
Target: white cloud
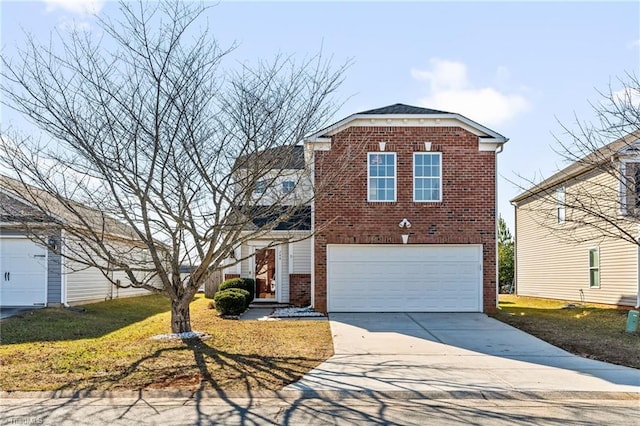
72, 25
627, 97
451, 90
79, 7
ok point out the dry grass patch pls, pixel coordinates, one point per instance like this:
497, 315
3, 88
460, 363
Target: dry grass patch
109, 347
592, 331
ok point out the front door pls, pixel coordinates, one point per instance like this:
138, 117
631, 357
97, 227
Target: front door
266, 273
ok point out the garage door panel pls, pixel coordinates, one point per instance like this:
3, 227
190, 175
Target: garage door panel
404, 278
23, 271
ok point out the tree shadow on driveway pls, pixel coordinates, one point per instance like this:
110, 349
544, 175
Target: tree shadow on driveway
454, 352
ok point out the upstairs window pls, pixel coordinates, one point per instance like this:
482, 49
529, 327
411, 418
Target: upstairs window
381, 176
287, 186
594, 268
427, 176
560, 204
261, 187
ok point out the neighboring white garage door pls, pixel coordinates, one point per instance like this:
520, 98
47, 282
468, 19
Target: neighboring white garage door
23, 272
404, 278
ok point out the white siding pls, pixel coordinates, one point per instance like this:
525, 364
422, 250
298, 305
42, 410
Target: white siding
86, 284
549, 265
283, 275
301, 257
275, 194
129, 291
245, 266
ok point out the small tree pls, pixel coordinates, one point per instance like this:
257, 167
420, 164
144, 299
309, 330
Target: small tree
160, 142
505, 257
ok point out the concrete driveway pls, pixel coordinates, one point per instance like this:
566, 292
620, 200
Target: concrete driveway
448, 352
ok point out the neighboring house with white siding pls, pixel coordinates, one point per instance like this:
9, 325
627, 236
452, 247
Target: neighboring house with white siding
280, 260
564, 250
32, 270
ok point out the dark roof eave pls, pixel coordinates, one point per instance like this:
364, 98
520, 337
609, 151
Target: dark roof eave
576, 169
326, 132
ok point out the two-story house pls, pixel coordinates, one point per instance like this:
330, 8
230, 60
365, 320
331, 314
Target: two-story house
403, 217
575, 231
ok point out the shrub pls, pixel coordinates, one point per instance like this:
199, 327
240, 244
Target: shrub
246, 284
250, 286
245, 294
231, 283
230, 302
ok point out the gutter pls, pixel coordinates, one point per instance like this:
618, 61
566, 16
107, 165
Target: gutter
514, 284
497, 298
638, 281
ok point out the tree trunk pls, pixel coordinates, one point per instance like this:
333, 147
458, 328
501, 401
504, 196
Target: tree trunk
180, 317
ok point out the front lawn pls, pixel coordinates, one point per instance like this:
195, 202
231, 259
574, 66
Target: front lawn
108, 347
592, 331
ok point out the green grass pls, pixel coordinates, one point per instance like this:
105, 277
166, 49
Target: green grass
592, 331
109, 347
97, 320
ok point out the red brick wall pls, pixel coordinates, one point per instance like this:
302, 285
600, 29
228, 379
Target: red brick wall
466, 214
300, 289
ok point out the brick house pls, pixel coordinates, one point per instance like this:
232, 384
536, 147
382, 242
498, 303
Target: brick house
404, 217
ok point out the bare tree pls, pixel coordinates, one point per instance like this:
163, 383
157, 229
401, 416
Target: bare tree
148, 143
597, 196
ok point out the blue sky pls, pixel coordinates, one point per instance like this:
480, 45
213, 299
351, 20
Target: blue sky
515, 67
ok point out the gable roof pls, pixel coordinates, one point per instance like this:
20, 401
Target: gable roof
32, 204
403, 111
13, 210
583, 165
280, 157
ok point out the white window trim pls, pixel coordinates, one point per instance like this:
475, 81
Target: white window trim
623, 210
439, 154
597, 249
561, 206
395, 177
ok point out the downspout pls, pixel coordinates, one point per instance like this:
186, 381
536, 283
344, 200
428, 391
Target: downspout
495, 224
638, 280
514, 284
638, 273
313, 234
63, 270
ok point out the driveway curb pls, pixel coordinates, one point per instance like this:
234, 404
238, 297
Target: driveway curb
323, 394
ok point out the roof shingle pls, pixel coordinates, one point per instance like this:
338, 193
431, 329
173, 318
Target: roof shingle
402, 109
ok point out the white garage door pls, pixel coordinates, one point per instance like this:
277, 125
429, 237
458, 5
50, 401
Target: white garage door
407, 278
23, 272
